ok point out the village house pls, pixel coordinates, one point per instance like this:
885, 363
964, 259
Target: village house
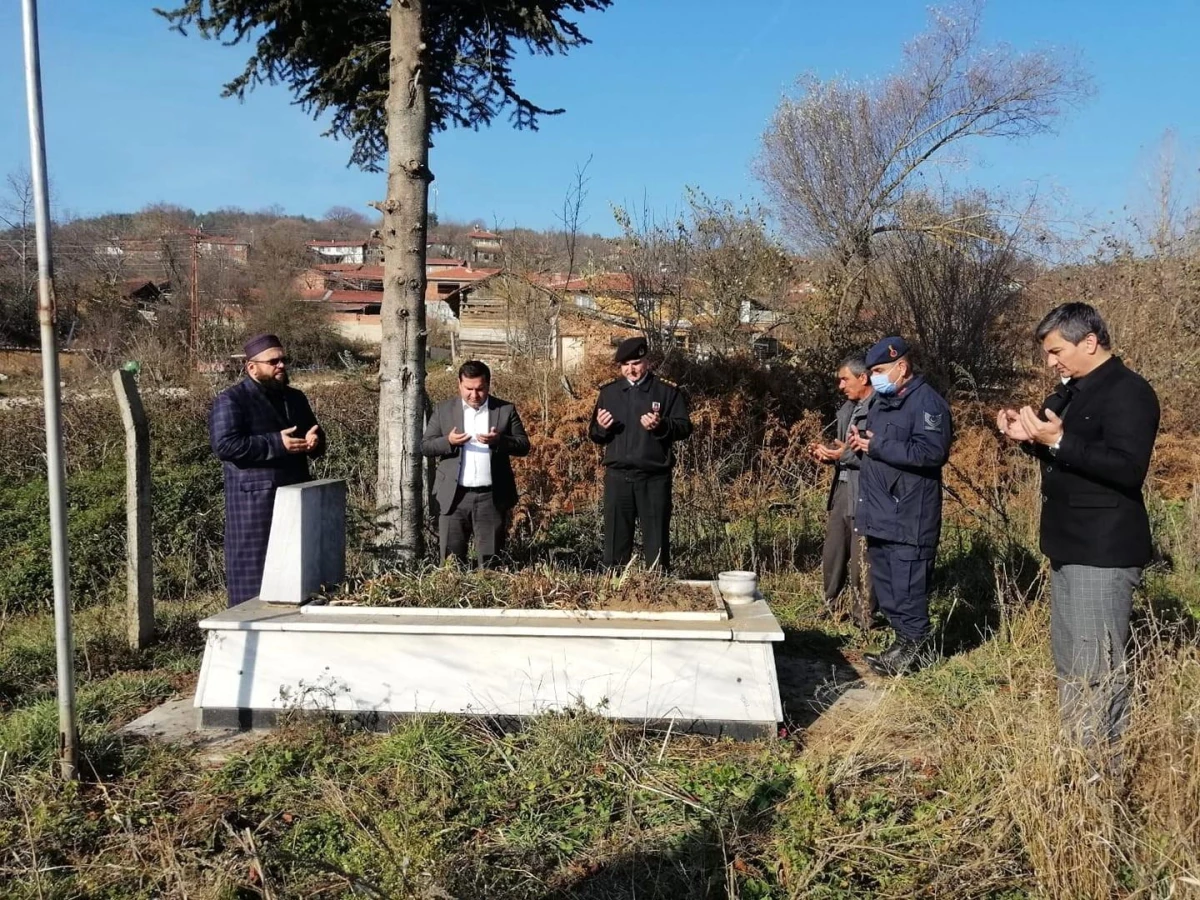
149, 256
354, 293
481, 311
485, 248
345, 251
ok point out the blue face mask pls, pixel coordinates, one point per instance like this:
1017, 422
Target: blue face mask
883, 386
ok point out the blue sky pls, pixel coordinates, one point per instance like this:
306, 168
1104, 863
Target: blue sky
671, 93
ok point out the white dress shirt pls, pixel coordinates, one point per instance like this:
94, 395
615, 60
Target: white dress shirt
475, 469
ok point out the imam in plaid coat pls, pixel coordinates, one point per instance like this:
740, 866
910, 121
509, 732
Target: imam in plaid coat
244, 429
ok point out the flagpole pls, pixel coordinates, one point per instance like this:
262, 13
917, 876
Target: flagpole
68, 738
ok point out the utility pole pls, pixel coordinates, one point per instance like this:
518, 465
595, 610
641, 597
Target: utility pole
64, 643
194, 305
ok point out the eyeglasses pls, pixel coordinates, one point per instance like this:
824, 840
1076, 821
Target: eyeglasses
274, 363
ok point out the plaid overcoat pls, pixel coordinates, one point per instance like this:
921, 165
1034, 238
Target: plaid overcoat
244, 429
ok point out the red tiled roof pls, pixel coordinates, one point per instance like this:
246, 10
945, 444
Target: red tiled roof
482, 235
444, 261
349, 242
460, 273
359, 269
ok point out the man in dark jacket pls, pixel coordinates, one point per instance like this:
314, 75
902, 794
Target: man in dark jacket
638, 418
1093, 440
474, 436
264, 433
841, 559
906, 443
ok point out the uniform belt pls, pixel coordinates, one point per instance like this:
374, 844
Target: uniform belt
635, 474
475, 490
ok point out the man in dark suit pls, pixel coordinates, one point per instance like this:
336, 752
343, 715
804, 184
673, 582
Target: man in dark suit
264, 433
1093, 440
474, 436
841, 560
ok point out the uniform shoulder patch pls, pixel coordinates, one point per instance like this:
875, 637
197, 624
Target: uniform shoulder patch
933, 421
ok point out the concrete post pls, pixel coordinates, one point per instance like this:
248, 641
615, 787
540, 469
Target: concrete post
139, 603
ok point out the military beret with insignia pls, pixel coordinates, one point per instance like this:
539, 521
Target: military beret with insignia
630, 349
888, 350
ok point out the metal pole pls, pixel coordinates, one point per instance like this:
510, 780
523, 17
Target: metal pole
68, 741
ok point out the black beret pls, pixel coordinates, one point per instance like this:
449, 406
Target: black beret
630, 349
888, 350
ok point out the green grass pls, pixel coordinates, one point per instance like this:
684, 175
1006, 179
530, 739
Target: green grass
953, 784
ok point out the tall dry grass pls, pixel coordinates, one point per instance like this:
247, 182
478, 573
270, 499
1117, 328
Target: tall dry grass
1002, 803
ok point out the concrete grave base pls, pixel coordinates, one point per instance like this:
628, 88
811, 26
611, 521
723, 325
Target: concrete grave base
712, 675
703, 670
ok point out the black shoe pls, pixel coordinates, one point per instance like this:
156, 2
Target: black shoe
904, 657
882, 663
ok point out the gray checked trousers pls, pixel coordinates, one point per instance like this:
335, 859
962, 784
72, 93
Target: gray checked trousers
1089, 631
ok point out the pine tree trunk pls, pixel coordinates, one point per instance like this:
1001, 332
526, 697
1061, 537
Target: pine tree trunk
402, 353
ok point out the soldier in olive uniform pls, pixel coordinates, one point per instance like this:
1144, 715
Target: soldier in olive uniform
637, 419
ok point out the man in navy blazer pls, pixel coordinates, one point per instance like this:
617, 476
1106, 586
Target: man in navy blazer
474, 436
264, 433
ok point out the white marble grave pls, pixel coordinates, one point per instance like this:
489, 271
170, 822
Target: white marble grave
706, 675
711, 671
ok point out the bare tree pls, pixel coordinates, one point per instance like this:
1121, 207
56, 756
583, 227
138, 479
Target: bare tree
737, 266
1144, 276
346, 222
540, 267
657, 259
958, 295
528, 308
157, 219
18, 260
1171, 224
840, 159
569, 218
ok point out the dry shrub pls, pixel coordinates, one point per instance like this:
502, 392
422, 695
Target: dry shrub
1087, 835
1174, 471
1151, 303
991, 485
1020, 807
746, 454
539, 587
